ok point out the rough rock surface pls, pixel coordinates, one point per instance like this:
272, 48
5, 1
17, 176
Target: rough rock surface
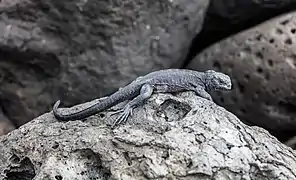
78, 50
227, 17
170, 137
262, 64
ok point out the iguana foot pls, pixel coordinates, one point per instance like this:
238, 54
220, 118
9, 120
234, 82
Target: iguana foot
124, 114
127, 110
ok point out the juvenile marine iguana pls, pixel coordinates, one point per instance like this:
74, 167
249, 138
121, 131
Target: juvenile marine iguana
169, 80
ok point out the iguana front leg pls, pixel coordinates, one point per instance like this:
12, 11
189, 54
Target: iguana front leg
203, 93
145, 93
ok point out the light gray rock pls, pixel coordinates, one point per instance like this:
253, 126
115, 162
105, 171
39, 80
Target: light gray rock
170, 137
78, 50
261, 61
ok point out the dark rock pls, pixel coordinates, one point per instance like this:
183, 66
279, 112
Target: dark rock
5, 125
80, 50
205, 142
262, 64
228, 17
291, 142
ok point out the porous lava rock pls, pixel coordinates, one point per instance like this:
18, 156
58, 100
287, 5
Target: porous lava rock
227, 17
262, 64
169, 137
77, 50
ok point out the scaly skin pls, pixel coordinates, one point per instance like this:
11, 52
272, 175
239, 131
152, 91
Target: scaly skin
169, 80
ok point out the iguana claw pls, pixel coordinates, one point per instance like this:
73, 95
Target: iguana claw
122, 118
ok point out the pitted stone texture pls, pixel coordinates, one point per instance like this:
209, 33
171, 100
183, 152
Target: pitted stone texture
262, 64
204, 142
77, 50
227, 17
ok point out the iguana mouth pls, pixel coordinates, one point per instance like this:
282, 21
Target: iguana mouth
226, 87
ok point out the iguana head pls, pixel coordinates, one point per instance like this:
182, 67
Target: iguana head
217, 81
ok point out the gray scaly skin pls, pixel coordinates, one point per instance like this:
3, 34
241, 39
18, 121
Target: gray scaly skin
169, 80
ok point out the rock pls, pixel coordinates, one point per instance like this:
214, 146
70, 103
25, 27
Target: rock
225, 18
169, 137
261, 62
5, 125
291, 142
80, 50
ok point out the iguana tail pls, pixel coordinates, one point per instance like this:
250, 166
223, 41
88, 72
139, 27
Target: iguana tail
123, 94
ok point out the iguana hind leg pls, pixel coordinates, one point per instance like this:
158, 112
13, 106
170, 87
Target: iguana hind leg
145, 93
